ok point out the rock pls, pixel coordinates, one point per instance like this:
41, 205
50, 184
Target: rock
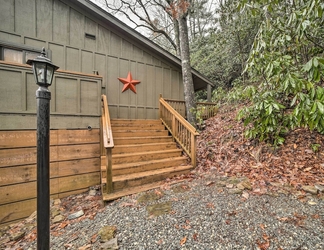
310, 189
159, 208
230, 185
75, 215
299, 194
92, 192
57, 202
58, 218
55, 211
240, 186
247, 185
221, 183
319, 187
233, 180
235, 191
151, 196
107, 233
16, 236
31, 217
29, 226
110, 245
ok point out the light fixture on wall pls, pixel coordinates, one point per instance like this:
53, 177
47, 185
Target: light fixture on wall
43, 70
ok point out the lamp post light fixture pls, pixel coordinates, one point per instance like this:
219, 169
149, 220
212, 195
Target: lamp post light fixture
43, 70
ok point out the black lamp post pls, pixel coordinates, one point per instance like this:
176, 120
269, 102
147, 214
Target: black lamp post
43, 70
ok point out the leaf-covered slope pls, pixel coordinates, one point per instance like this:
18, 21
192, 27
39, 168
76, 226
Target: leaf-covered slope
223, 148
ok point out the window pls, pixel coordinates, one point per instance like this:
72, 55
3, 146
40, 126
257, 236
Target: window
12, 55
18, 53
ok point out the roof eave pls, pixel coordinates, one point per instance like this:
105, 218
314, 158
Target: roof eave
123, 28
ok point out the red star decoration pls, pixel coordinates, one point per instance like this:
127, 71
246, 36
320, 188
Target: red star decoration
129, 83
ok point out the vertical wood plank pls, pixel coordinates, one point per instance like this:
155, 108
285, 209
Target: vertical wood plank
109, 170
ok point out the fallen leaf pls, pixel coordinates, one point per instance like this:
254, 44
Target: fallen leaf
233, 213
183, 240
245, 195
195, 237
93, 238
209, 183
158, 192
315, 216
312, 203
263, 245
127, 204
265, 237
284, 219
210, 205
262, 226
63, 225
84, 247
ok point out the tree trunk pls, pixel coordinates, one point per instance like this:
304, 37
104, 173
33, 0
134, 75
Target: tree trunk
189, 92
177, 37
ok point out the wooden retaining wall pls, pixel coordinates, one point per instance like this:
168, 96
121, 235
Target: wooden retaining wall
74, 166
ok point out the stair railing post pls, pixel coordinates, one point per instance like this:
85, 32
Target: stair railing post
193, 150
109, 170
173, 125
160, 106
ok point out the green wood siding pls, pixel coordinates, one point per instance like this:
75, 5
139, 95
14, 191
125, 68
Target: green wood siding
61, 27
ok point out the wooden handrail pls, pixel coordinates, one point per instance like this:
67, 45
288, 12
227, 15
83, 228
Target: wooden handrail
108, 142
206, 109
107, 132
182, 131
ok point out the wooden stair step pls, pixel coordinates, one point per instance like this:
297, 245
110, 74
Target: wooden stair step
137, 121
129, 191
139, 133
135, 190
142, 156
141, 178
141, 140
122, 149
142, 166
136, 127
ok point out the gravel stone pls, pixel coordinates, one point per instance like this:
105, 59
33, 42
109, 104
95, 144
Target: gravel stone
203, 217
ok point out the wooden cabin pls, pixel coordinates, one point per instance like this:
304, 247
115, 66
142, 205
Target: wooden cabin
93, 49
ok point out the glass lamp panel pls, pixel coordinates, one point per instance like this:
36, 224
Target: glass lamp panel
40, 71
49, 74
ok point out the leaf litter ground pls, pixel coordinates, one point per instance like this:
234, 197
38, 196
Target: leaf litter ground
223, 148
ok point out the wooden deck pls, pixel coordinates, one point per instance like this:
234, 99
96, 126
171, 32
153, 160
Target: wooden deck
144, 154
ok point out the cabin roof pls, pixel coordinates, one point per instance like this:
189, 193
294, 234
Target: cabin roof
200, 81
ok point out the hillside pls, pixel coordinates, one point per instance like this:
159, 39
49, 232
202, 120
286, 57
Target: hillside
296, 166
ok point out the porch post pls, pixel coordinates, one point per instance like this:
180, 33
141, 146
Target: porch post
208, 93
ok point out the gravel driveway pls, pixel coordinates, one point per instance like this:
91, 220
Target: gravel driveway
201, 213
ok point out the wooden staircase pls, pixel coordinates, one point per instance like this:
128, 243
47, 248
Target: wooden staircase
144, 154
